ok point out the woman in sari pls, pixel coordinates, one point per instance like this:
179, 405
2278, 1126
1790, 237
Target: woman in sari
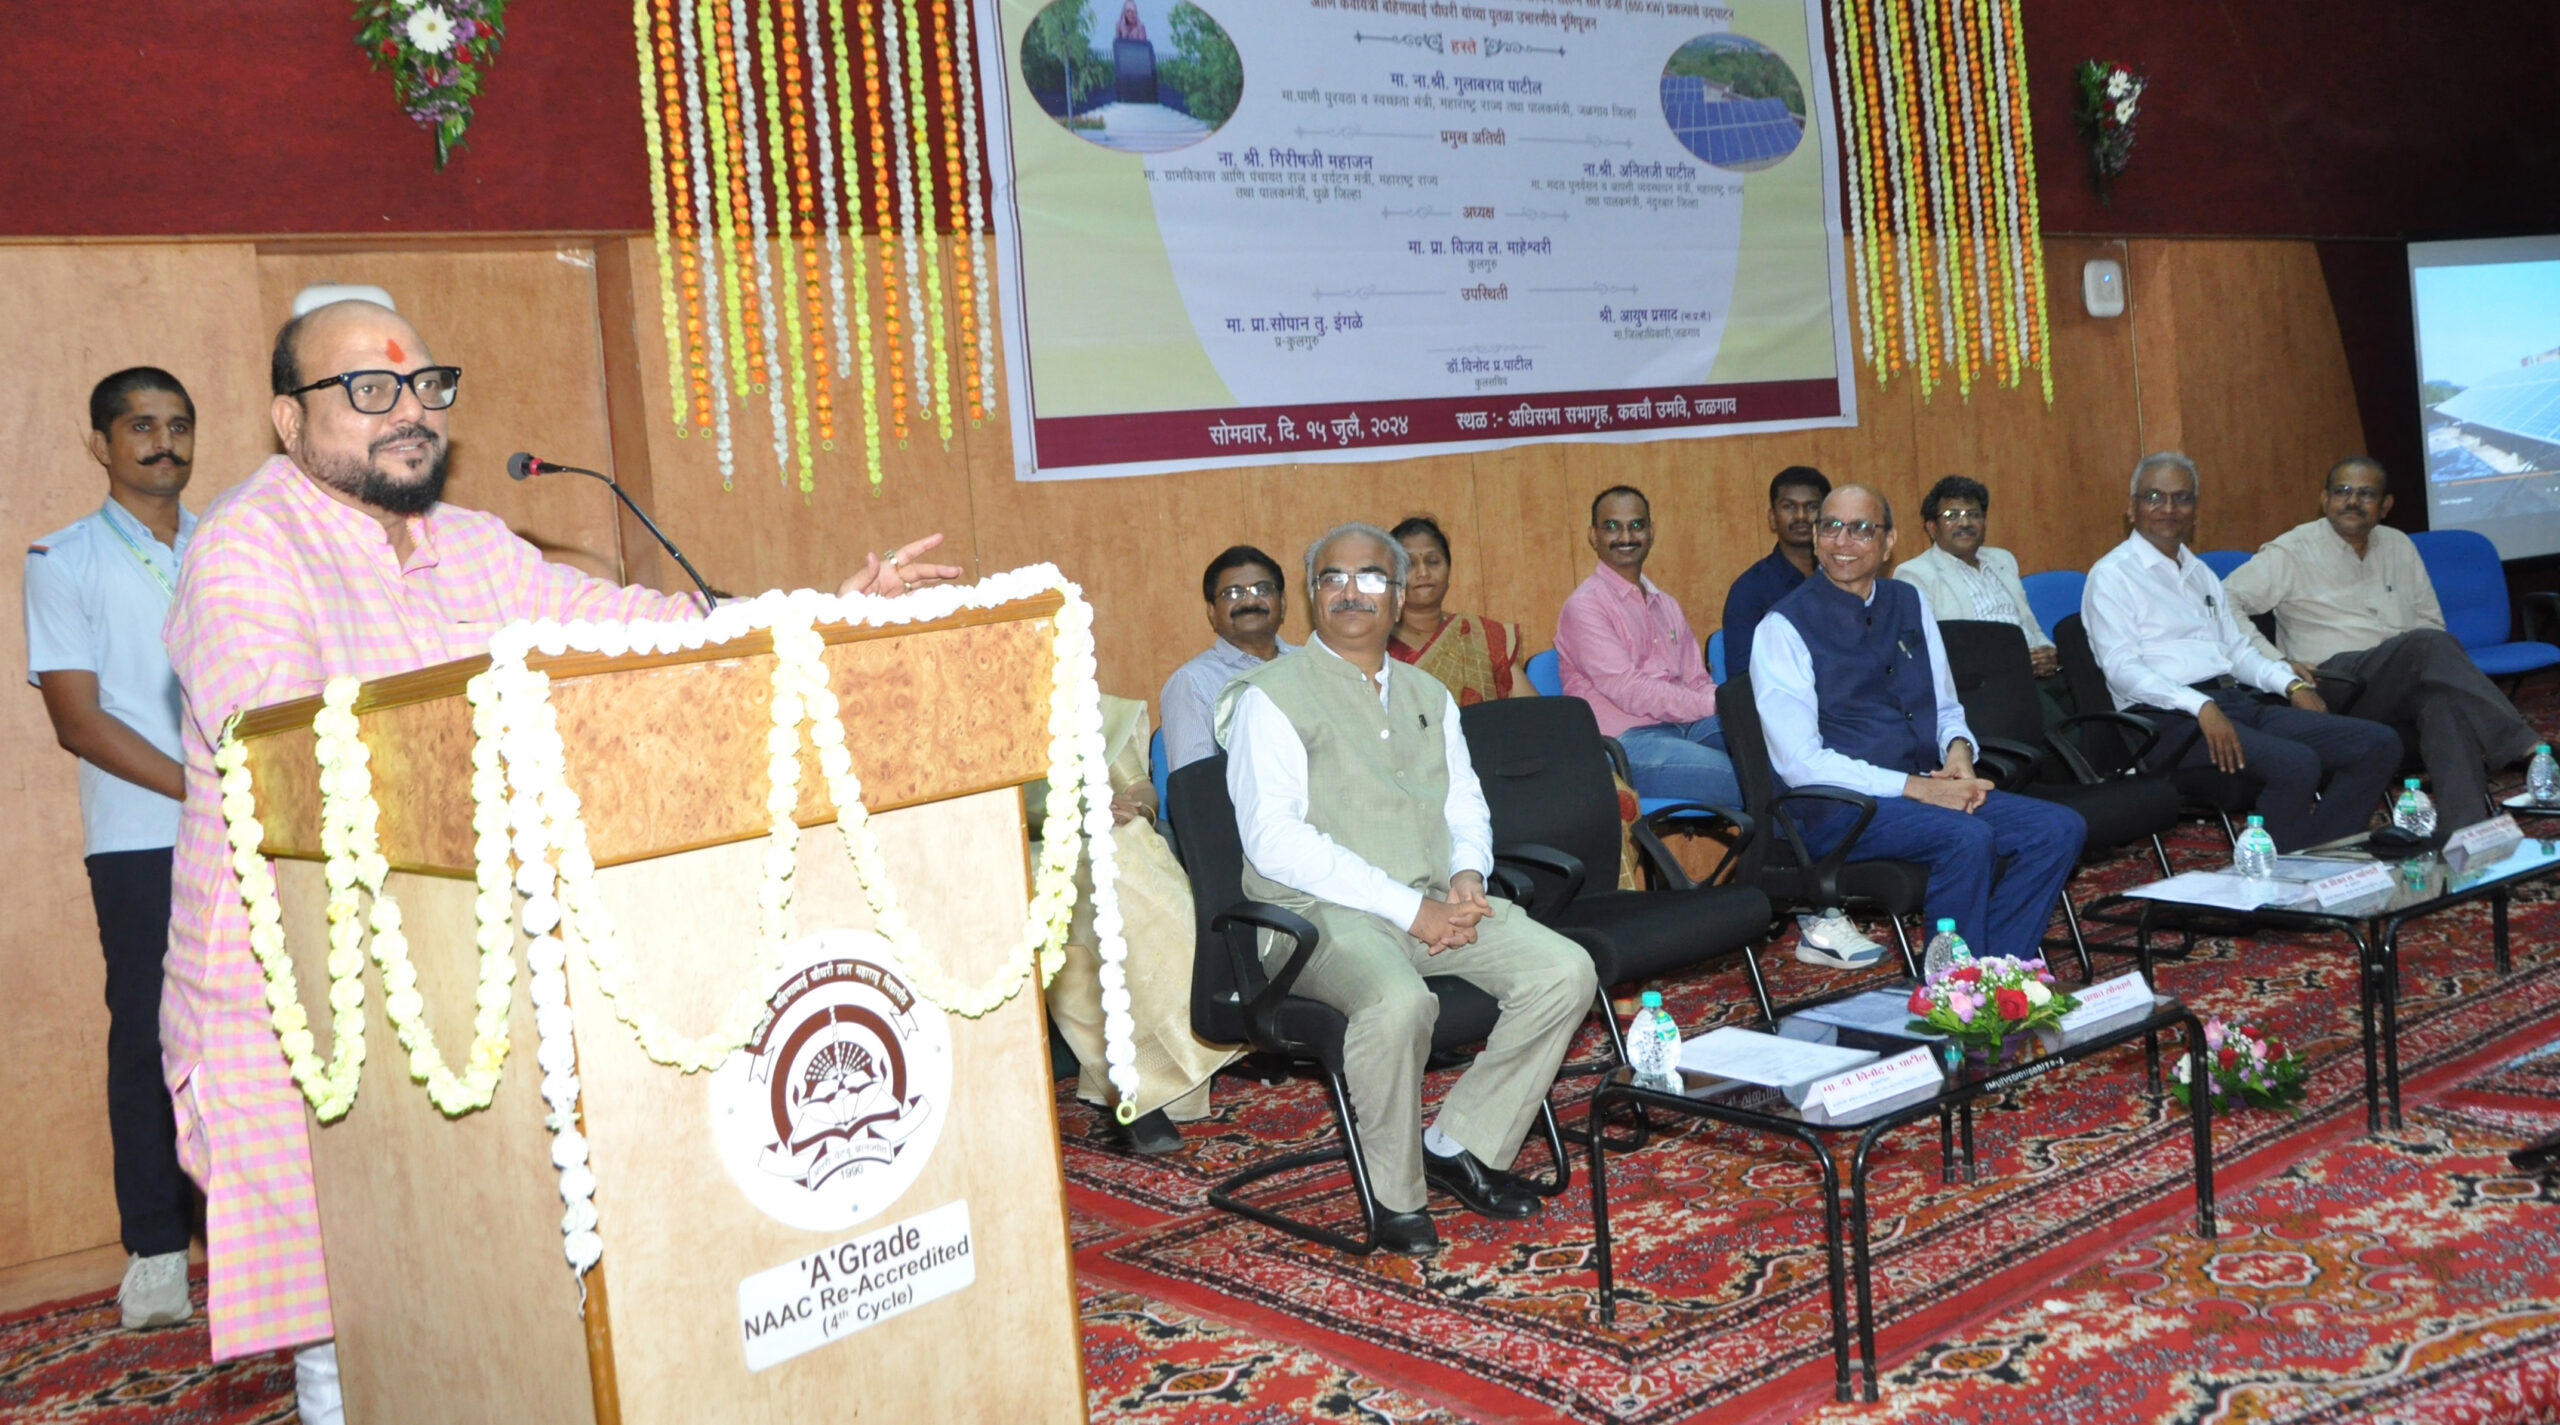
1476, 658
1155, 910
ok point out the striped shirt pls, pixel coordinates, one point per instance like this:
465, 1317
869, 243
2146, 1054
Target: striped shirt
284, 588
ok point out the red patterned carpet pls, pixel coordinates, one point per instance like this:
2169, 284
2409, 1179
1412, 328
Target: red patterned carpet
2410, 1276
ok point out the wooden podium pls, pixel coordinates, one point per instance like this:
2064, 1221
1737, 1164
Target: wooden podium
451, 1296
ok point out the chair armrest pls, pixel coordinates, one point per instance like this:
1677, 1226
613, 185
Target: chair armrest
2148, 731
2013, 764
2539, 605
1562, 868
1648, 837
1618, 762
1823, 871
1264, 993
1512, 884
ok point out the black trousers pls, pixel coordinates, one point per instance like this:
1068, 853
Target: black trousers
2324, 773
131, 892
2465, 725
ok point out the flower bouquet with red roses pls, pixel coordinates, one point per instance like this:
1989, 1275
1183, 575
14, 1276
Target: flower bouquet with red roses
2248, 1065
1982, 1003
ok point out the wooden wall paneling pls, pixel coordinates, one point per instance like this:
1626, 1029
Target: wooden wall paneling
627, 417
523, 326
763, 532
1527, 537
2055, 472
68, 316
2264, 393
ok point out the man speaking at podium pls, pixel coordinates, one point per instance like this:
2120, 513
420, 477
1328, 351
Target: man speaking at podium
337, 558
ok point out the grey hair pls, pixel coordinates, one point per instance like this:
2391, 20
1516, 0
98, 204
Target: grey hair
2164, 459
1403, 558
1871, 492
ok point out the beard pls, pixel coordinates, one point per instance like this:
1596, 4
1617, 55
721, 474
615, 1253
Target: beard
366, 480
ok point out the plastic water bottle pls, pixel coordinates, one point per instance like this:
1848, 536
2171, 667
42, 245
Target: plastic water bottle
2542, 776
1653, 1045
2413, 813
1946, 951
2254, 854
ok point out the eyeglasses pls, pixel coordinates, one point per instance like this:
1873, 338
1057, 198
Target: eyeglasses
1854, 531
1238, 593
2355, 494
1367, 581
1961, 517
2175, 499
374, 393
1638, 525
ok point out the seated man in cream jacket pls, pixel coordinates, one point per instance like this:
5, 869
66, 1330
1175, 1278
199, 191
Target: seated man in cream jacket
1968, 579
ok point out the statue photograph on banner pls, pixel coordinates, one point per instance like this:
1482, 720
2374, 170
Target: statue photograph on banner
1295, 232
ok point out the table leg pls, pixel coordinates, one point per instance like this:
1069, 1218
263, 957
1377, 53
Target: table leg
2200, 1098
2498, 928
1864, 1267
2388, 955
2151, 1064
1600, 1213
1965, 1117
1842, 1389
1946, 1146
2367, 972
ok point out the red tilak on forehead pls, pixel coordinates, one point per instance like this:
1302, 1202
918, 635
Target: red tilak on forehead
392, 345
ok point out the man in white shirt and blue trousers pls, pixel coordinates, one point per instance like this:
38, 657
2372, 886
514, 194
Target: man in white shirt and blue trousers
1359, 809
1851, 684
2162, 629
96, 595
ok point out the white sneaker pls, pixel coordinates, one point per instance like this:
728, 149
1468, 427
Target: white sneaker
1832, 939
155, 1291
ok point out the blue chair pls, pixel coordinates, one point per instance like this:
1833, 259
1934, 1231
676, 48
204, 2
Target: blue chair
1161, 772
2223, 561
1543, 674
2472, 586
2054, 595
1715, 655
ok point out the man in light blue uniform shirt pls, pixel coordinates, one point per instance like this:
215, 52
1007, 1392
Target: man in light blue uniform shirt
1245, 589
97, 593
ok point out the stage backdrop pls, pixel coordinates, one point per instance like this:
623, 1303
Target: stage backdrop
1290, 230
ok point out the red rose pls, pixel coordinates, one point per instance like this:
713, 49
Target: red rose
2011, 1003
2275, 1049
2227, 1057
1967, 973
1921, 1003
390, 50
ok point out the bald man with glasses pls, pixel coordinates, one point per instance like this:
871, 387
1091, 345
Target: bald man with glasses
2351, 597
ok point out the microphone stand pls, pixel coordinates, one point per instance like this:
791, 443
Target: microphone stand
530, 465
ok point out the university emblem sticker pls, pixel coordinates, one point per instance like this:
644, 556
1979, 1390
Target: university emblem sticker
831, 1109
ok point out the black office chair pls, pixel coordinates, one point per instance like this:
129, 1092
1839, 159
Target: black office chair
1235, 1001
2115, 746
1545, 771
1996, 683
1778, 862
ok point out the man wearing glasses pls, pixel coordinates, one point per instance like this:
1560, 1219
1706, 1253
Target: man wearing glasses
1851, 683
1358, 808
2351, 597
2163, 630
1244, 588
336, 558
1965, 577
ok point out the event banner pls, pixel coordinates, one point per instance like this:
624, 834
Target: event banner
1256, 231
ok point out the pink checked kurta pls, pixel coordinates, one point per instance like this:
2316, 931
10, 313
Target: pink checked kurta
285, 588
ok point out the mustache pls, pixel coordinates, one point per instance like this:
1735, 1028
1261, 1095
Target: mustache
1352, 605
1241, 610
166, 457
411, 431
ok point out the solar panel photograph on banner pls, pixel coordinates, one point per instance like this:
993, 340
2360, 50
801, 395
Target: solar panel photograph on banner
2488, 323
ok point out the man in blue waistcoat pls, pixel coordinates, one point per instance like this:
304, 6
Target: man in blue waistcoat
1852, 686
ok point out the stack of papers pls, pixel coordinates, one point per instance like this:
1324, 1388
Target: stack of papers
1885, 1012
2221, 890
1753, 1056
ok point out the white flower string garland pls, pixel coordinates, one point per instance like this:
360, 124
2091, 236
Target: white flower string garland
526, 814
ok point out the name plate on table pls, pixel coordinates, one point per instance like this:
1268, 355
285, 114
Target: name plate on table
2108, 998
2354, 887
2482, 842
1869, 1083
795, 1308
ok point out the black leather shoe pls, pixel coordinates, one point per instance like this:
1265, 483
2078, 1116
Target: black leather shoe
1488, 1192
1149, 1133
1408, 1234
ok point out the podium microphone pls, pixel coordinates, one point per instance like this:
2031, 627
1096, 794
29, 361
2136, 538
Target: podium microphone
524, 465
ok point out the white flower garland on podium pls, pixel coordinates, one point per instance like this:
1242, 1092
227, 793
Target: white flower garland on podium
524, 813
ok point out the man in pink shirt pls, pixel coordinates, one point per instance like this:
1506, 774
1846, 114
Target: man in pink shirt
1624, 647
336, 558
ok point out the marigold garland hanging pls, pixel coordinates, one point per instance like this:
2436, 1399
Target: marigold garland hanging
780, 134
1942, 197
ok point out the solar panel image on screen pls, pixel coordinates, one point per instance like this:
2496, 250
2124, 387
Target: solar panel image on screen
2523, 402
1729, 133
